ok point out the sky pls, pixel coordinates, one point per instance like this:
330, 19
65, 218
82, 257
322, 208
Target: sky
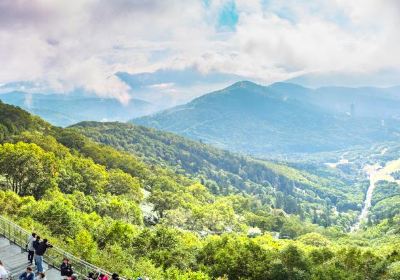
64, 45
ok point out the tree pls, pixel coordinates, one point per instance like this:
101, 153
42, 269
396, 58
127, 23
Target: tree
78, 173
60, 216
236, 257
291, 228
165, 247
120, 183
121, 233
314, 239
119, 208
295, 263
83, 245
176, 274
29, 170
164, 201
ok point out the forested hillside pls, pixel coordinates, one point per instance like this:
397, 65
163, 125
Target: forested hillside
91, 199
296, 192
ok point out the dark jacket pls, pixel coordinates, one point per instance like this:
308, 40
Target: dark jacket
35, 244
25, 276
66, 270
41, 248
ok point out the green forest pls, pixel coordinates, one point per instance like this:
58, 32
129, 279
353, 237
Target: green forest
310, 196
147, 203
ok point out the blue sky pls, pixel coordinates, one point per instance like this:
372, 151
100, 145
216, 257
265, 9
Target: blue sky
82, 44
228, 16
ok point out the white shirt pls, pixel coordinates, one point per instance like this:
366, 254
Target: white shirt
3, 272
30, 243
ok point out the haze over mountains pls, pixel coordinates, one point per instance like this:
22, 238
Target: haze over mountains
148, 92
67, 109
285, 118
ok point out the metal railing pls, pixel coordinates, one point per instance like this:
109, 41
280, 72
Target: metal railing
54, 256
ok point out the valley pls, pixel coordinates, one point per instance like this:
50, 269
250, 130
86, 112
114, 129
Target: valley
354, 173
376, 165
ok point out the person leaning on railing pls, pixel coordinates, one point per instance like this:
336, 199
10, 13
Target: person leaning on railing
40, 250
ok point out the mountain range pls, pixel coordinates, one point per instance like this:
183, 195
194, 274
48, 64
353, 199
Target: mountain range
282, 118
285, 118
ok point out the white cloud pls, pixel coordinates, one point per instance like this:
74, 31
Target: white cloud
83, 43
162, 86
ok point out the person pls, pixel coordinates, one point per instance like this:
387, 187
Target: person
40, 249
91, 276
103, 277
115, 276
41, 276
30, 237
66, 269
29, 247
3, 272
27, 275
36, 242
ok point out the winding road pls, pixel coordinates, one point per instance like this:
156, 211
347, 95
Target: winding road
372, 171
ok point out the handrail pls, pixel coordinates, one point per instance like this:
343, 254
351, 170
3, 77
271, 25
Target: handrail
53, 256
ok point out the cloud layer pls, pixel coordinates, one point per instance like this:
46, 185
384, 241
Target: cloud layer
82, 44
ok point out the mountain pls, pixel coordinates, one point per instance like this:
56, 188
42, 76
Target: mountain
64, 110
284, 118
180, 77
170, 87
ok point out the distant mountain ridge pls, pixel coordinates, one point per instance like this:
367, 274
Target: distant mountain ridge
285, 118
67, 109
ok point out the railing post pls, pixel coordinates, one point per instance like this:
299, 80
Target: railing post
13, 231
21, 237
